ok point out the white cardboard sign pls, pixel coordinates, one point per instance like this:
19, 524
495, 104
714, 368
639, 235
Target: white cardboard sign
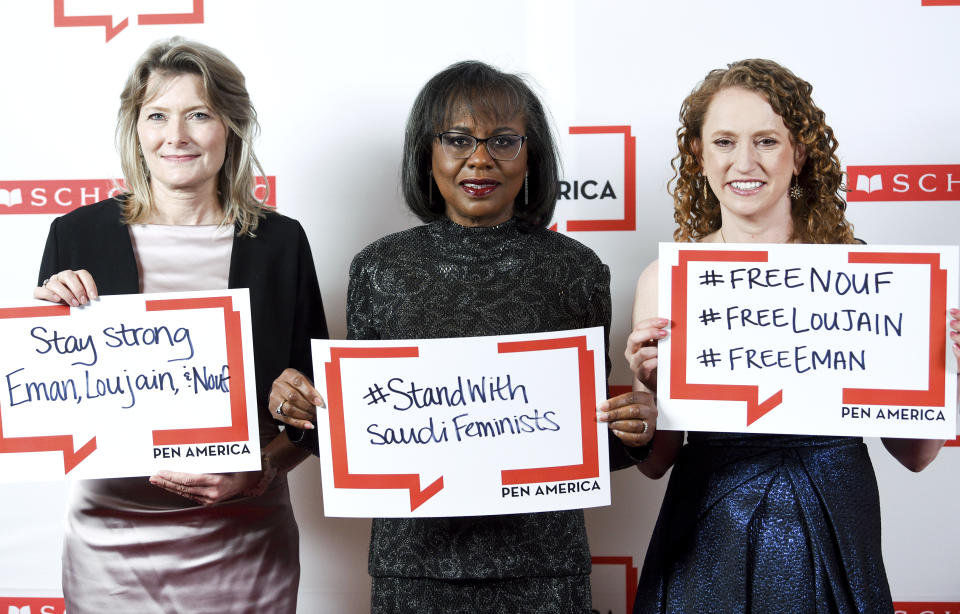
128, 385
808, 339
462, 427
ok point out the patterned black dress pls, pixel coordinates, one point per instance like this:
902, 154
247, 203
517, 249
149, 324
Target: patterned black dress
767, 524
444, 280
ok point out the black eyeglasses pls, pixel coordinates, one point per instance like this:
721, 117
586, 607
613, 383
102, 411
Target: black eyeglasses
500, 147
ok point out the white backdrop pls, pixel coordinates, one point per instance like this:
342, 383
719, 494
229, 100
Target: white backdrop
333, 83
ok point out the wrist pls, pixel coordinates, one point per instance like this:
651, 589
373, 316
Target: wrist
268, 472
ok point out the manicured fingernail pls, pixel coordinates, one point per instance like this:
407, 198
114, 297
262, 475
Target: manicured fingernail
319, 402
308, 426
601, 416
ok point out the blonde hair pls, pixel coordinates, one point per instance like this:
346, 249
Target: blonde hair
225, 91
818, 216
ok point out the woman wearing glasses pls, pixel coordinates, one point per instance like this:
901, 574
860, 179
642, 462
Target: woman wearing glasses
480, 168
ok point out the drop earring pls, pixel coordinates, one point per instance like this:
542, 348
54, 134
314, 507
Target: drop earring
526, 188
706, 196
796, 190
430, 187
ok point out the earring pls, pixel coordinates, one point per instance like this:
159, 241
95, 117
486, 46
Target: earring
796, 190
526, 188
430, 186
706, 196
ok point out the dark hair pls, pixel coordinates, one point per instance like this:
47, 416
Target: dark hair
489, 93
818, 216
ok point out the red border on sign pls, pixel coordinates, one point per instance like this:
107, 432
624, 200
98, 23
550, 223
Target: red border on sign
590, 467
237, 431
933, 396
44, 443
679, 387
343, 478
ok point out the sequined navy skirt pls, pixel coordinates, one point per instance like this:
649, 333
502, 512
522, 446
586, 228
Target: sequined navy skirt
769, 523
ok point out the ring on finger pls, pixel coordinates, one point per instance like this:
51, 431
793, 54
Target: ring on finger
280, 408
645, 426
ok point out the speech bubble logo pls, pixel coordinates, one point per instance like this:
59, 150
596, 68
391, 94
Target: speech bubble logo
112, 27
681, 388
412, 482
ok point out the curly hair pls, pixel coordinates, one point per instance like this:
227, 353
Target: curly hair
224, 89
818, 216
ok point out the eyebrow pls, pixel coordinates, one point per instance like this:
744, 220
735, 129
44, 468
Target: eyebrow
498, 130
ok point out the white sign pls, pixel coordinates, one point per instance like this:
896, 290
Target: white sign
808, 339
128, 385
463, 427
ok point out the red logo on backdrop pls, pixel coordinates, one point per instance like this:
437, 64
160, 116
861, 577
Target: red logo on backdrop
58, 196
593, 189
939, 2
178, 15
31, 605
903, 182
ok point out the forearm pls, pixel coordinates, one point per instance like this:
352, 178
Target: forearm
914, 454
282, 454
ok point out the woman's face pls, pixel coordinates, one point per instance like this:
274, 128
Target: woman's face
748, 155
479, 190
183, 141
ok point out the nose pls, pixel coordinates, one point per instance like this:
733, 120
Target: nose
745, 158
480, 158
176, 132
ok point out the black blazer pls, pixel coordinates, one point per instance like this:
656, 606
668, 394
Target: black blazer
276, 266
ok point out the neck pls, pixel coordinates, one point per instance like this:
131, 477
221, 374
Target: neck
734, 229
186, 207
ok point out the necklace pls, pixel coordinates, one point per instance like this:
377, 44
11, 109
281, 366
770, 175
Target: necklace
722, 238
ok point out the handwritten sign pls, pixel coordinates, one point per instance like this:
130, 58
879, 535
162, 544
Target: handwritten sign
128, 385
808, 339
458, 427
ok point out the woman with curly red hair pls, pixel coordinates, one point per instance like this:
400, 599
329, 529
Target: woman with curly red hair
755, 523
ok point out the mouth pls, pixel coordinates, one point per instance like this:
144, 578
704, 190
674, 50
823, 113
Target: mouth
180, 157
746, 186
479, 186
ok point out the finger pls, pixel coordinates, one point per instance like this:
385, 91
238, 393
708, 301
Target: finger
292, 399
302, 384
651, 323
71, 280
89, 286
290, 406
61, 291
635, 439
45, 294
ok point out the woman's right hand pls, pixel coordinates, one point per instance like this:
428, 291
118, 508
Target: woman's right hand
73, 288
641, 351
294, 401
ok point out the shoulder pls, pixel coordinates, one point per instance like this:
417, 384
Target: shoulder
95, 214
274, 225
391, 246
559, 245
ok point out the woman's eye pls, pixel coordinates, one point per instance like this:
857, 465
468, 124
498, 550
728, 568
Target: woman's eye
155, 116
767, 142
200, 115
723, 142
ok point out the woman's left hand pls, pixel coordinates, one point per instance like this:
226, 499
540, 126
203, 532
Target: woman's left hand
631, 416
209, 488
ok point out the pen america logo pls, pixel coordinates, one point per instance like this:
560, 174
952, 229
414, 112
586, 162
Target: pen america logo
600, 196
62, 195
84, 13
912, 182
